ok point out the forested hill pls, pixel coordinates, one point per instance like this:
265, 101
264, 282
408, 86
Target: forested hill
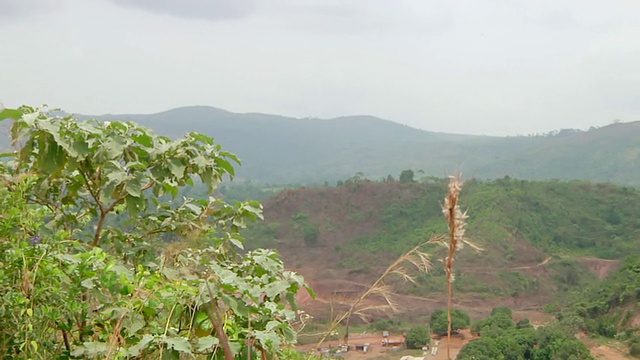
277, 149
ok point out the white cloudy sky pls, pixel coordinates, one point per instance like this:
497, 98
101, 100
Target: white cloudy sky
465, 66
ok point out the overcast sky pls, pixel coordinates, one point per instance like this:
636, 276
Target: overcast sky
479, 67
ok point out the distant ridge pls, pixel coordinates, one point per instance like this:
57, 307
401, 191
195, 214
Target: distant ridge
280, 149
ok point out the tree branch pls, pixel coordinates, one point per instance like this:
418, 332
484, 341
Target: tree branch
216, 320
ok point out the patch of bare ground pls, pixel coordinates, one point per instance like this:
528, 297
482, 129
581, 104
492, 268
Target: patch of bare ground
600, 267
335, 293
608, 353
612, 351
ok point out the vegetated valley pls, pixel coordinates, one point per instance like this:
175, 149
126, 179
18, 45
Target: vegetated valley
551, 247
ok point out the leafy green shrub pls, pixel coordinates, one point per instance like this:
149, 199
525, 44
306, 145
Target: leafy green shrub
634, 350
481, 349
310, 234
501, 340
418, 336
73, 283
386, 325
523, 324
406, 176
440, 324
506, 311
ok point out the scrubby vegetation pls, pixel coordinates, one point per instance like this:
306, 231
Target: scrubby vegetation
439, 321
576, 217
607, 308
418, 336
502, 339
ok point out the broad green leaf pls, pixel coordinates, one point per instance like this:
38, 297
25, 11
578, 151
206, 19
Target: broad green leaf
235, 347
289, 334
52, 157
202, 138
127, 289
14, 114
206, 343
78, 351
114, 146
95, 348
291, 298
133, 323
72, 259
200, 161
81, 149
230, 156
237, 243
178, 343
118, 176
225, 165
134, 186
134, 205
177, 167
143, 139
171, 354
88, 283
236, 305
268, 339
141, 345
171, 274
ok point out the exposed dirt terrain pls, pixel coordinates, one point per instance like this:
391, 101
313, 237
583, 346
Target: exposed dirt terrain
600, 267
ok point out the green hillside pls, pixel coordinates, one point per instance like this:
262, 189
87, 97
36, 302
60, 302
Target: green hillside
553, 216
277, 149
537, 235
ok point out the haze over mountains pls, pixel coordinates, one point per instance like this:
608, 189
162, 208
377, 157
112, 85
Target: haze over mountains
277, 149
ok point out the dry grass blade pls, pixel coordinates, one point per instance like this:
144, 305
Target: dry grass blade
365, 313
386, 292
402, 272
414, 256
456, 221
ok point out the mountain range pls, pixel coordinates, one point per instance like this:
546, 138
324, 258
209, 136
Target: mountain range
284, 150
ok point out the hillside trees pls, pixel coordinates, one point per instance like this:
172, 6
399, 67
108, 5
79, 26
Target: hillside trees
502, 339
607, 307
73, 282
440, 324
406, 176
418, 336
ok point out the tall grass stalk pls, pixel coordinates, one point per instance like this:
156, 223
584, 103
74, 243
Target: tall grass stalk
456, 221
